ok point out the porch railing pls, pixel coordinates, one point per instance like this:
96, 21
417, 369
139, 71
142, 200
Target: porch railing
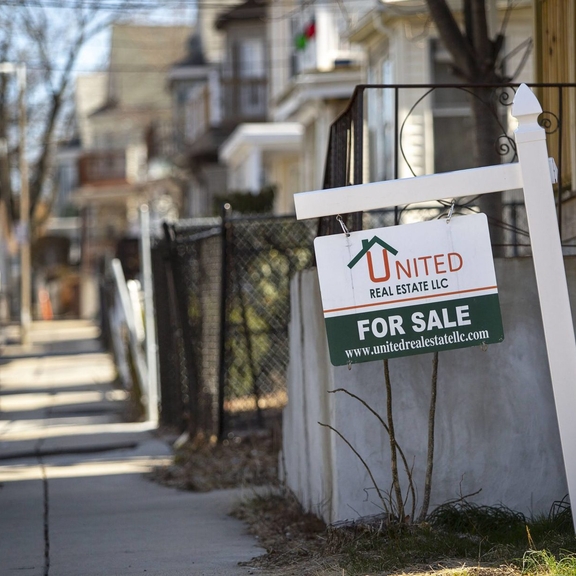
102, 168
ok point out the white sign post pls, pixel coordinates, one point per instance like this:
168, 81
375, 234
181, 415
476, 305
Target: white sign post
532, 173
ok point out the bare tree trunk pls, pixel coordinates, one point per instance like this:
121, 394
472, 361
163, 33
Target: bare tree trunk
476, 60
431, 440
487, 130
393, 452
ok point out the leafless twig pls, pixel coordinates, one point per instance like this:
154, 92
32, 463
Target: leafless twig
373, 480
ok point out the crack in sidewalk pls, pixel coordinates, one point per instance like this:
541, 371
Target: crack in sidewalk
45, 506
45, 498
46, 518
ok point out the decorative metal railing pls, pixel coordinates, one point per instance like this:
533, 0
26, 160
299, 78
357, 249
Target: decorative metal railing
394, 131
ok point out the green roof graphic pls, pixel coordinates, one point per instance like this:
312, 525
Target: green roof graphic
366, 245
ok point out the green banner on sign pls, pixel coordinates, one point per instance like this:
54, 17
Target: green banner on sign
414, 330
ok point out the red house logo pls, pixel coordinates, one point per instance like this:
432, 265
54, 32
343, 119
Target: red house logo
366, 247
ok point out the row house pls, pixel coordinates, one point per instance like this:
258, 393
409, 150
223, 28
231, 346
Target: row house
193, 85
124, 119
212, 97
312, 73
260, 117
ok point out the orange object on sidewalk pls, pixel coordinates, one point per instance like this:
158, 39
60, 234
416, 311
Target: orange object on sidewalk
45, 304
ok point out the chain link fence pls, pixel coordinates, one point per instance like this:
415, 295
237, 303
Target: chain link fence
222, 297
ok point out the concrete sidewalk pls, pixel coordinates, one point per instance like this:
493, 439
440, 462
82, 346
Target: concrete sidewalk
73, 499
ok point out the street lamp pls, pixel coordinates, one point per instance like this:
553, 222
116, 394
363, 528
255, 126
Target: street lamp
25, 263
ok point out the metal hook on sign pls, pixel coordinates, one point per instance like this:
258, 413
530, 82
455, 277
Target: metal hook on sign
349, 365
344, 229
484, 347
450, 212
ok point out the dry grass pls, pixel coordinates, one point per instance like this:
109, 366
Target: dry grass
299, 544
464, 570
294, 540
204, 465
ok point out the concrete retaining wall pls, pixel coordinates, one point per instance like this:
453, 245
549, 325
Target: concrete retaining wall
496, 429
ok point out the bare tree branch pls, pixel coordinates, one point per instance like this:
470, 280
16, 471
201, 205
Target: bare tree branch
50, 46
372, 479
431, 439
87, 26
6, 195
393, 449
454, 41
407, 468
480, 39
476, 59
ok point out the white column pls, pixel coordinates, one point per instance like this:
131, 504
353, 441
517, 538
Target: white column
254, 170
151, 343
550, 273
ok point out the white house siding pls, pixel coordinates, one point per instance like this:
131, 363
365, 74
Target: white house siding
90, 94
310, 171
244, 170
212, 39
285, 174
317, 121
379, 111
519, 30
497, 437
411, 67
322, 50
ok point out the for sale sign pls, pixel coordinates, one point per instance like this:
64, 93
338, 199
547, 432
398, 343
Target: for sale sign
408, 289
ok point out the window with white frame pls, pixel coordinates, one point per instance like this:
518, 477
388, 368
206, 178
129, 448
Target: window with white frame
250, 56
249, 70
